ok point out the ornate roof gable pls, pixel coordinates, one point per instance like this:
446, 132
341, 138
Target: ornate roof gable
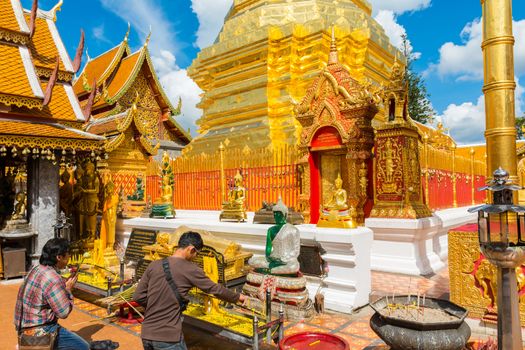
336, 99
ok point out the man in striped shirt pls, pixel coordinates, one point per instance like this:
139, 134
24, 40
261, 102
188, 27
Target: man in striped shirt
46, 297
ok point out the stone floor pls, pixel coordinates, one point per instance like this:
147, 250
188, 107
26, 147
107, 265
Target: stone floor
353, 328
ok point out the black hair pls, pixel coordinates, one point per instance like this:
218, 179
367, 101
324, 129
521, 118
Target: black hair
191, 238
53, 248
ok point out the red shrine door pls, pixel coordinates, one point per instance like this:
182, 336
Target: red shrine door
326, 162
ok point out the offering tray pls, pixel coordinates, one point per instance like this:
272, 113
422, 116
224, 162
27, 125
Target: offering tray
231, 325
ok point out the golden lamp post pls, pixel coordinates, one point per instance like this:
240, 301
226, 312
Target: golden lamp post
501, 224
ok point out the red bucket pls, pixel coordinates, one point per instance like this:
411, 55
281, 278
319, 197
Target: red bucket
313, 341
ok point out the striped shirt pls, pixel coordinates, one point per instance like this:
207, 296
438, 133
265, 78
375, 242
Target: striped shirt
45, 298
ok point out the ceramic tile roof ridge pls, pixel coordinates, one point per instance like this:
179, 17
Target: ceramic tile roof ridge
19, 15
54, 124
49, 17
34, 81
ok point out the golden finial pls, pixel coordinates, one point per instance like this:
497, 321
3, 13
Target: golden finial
332, 58
148, 37
56, 8
126, 37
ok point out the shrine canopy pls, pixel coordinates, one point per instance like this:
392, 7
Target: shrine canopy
39, 112
129, 100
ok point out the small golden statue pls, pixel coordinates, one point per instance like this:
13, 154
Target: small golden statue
20, 206
163, 207
335, 212
109, 216
88, 206
233, 208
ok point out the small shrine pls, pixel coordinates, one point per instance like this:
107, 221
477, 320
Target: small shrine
335, 148
398, 192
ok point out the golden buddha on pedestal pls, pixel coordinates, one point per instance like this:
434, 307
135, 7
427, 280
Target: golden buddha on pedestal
335, 212
233, 208
163, 207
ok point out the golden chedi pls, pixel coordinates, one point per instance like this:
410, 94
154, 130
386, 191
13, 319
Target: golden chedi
234, 208
336, 212
266, 56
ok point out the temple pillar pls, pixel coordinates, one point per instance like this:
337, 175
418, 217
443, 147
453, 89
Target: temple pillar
499, 86
43, 199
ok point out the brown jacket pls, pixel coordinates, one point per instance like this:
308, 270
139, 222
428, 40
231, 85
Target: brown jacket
163, 320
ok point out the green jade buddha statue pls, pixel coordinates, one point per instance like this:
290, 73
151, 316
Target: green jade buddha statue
283, 243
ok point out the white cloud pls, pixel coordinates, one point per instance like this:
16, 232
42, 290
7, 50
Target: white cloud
177, 84
142, 14
210, 14
465, 61
387, 19
99, 33
163, 48
467, 120
399, 6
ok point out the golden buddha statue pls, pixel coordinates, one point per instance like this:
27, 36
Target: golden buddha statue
20, 206
66, 193
233, 208
335, 212
163, 207
109, 216
339, 197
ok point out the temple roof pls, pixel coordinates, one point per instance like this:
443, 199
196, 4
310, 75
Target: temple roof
13, 19
25, 67
19, 84
99, 68
115, 72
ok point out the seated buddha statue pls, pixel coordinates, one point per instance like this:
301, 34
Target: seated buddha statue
234, 208
339, 197
335, 212
283, 243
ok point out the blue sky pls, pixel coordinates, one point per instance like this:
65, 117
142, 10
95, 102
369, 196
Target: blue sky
445, 34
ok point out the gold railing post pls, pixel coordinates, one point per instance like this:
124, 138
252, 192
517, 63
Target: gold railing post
472, 176
223, 187
425, 140
454, 191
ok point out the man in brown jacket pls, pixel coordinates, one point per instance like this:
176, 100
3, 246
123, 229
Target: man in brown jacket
162, 326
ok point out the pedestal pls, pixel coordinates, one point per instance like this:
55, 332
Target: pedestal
414, 246
347, 251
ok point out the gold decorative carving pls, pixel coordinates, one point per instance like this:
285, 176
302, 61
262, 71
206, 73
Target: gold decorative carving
473, 279
15, 37
53, 143
21, 101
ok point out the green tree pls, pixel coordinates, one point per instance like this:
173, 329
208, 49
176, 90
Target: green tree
419, 106
520, 124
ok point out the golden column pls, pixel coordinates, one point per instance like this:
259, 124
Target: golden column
223, 189
425, 140
454, 191
472, 177
498, 59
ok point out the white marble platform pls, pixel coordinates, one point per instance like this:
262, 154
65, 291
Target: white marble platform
348, 283
414, 247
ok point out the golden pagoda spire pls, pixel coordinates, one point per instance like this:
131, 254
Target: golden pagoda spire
126, 37
332, 58
148, 37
